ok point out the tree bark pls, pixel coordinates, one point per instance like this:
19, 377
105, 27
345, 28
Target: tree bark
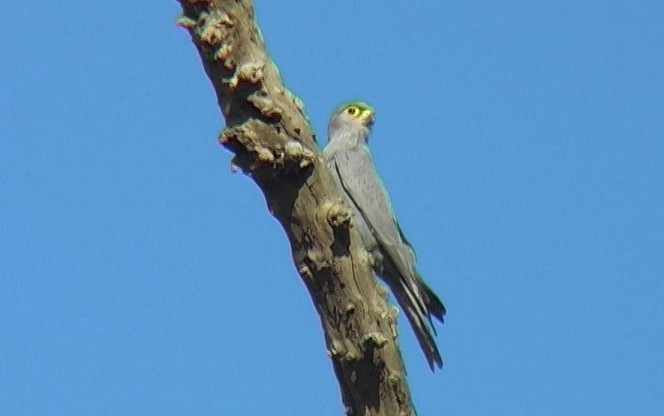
272, 142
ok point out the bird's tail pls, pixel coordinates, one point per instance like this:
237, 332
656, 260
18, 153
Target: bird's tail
418, 310
433, 304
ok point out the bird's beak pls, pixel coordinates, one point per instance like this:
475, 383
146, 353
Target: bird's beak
370, 120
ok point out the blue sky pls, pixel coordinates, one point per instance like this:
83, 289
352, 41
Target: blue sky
522, 146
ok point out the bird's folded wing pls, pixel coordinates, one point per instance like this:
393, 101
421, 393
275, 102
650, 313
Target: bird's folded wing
360, 182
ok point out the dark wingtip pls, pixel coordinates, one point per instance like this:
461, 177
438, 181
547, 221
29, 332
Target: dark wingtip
435, 306
435, 360
425, 339
419, 308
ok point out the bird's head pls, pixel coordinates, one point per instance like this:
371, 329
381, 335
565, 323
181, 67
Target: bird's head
356, 112
353, 115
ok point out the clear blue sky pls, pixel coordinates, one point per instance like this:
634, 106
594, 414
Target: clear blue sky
522, 144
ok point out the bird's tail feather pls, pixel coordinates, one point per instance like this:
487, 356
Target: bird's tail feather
433, 303
420, 319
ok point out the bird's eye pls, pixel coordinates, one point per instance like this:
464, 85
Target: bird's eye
351, 110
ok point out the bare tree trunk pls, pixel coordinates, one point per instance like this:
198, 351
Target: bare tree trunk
268, 133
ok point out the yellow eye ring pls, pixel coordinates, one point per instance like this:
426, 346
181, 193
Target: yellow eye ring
351, 110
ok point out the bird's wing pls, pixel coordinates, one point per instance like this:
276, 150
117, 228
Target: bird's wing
356, 174
355, 170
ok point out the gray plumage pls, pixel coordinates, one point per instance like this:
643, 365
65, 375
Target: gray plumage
348, 157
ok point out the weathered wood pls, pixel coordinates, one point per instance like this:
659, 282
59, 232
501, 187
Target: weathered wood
268, 132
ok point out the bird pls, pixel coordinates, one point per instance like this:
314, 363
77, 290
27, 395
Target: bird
348, 157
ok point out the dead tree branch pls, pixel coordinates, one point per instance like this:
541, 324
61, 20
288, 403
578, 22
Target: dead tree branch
272, 142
